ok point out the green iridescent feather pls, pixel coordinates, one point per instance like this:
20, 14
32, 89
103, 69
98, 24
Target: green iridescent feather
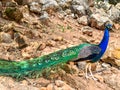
24, 68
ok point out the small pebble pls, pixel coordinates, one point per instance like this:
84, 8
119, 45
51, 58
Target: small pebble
59, 83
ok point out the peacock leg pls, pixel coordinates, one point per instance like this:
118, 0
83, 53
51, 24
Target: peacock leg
91, 74
88, 68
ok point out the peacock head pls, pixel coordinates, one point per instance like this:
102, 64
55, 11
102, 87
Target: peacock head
108, 26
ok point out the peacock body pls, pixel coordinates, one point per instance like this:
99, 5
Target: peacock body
76, 53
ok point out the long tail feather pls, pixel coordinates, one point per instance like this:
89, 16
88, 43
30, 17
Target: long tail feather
13, 68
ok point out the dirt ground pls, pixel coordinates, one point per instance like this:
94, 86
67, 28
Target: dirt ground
30, 38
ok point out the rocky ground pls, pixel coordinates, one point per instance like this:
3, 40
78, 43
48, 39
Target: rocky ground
32, 28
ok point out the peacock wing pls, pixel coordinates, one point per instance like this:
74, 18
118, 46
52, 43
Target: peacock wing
88, 52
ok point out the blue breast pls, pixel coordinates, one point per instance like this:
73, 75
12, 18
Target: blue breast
103, 45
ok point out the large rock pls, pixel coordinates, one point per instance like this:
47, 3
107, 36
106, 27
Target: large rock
111, 11
35, 7
116, 54
115, 13
83, 20
49, 4
98, 21
104, 5
5, 38
86, 30
78, 9
44, 18
112, 55
44, 15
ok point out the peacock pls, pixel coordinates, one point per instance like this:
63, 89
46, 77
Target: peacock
82, 52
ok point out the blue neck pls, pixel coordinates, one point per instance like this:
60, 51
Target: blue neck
103, 45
